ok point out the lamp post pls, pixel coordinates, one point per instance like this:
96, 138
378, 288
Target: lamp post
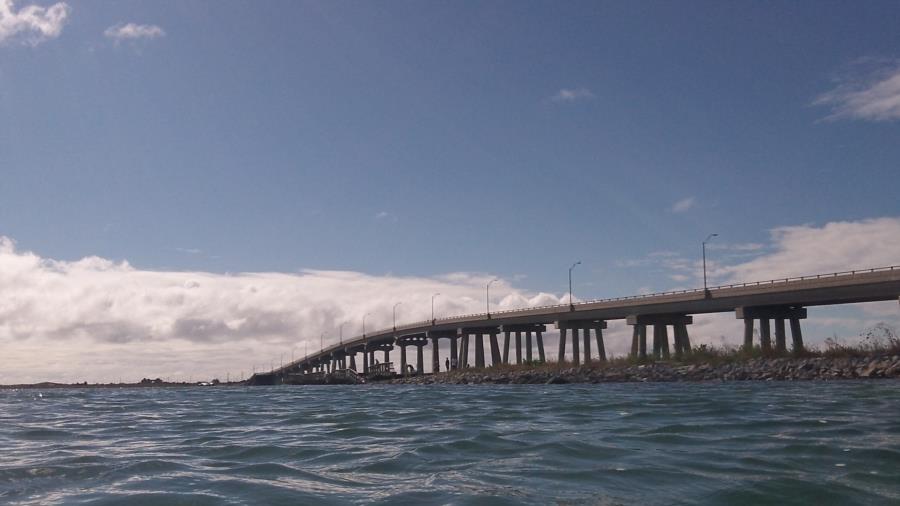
432, 307
571, 302
394, 313
341, 332
487, 295
703, 247
322, 343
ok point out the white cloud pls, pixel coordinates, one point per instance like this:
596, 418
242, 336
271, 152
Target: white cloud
386, 216
684, 205
31, 24
572, 95
871, 93
132, 31
808, 249
89, 319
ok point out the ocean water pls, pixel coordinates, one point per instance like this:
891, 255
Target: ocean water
679, 443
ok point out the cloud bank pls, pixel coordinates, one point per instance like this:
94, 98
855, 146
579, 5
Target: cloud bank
31, 24
96, 319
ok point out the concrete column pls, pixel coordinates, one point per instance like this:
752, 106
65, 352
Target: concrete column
402, 359
657, 342
387, 356
435, 356
748, 334
635, 338
454, 354
576, 355
664, 333
540, 343
464, 352
365, 361
780, 342
479, 350
796, 336
601, 348
420, 359
518, 347
506, 347
587, 345
562, 345
528, 347
353, 361
642, 341
495, 350
765, 338
685, 339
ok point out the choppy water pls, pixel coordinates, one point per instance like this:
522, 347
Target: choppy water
738, 443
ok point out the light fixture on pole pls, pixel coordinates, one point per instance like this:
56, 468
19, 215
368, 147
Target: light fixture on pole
703, 247
322, 342
487, 295
571, 301
394, 313
341, 332
432, 307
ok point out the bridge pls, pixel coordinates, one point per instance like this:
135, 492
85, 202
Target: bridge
777, 302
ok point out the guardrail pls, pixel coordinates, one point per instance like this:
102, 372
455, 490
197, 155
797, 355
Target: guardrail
485, 316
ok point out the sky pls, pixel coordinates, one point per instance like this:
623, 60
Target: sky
210, 186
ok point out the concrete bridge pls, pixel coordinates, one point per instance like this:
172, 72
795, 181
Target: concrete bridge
777, 302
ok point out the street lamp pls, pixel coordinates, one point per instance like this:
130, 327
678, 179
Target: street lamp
487, 295
710, 236
571, 302
341, 332
394, 312
322, 342
364, 323
432, 307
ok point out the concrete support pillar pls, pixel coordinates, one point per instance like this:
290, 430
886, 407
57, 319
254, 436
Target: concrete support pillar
435, 356
518, 347
780, 341
562, 345
464, 351
387, 355
635, 337
587, 345
506, 347
664, 345
796, 335
402, 359
642, 341
353, 361
540, 343
454, 354
657, 342
748, 334
685, 339
576, 354
528, 357
479, 350
601, 348
495, 350
365, 361
420, 359
765, 338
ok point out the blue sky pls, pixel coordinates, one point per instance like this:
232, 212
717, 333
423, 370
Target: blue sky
424, 138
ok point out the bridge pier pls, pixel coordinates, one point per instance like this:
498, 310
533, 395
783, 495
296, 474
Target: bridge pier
436, 336
479, 334
463, 360
779, 314
419, 340
585, 326
515, 331
660, 323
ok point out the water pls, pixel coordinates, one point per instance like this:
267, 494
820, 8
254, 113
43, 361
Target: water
736, 443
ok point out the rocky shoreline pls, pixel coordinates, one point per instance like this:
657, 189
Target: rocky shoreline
755, 369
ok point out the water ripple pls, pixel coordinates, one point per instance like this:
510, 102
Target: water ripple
748, 443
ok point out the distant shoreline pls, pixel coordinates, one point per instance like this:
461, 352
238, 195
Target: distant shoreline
49, 385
